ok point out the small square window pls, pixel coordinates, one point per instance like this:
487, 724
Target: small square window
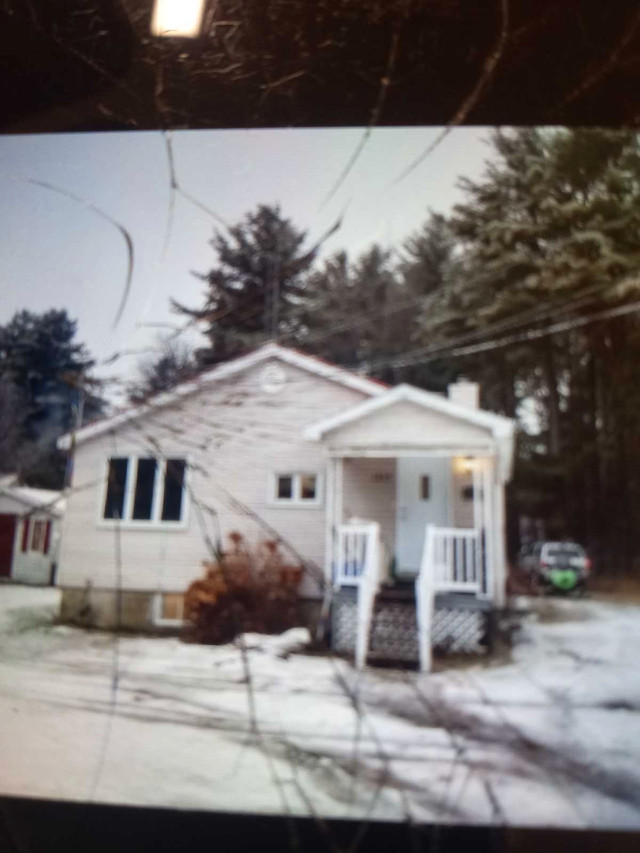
308, 487
285, 488
425, 487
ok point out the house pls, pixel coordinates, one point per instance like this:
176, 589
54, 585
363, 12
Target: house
29, 532
392, 497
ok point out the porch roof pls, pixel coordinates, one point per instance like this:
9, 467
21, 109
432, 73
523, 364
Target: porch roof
498, 430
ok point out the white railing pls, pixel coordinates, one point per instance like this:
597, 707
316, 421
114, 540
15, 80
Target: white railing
351, 553
359, 562
455, 559
451, 562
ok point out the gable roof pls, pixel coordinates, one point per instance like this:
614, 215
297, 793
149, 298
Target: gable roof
501, 428
311, 364
46, 500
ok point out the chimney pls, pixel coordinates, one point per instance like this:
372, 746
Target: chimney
465, 393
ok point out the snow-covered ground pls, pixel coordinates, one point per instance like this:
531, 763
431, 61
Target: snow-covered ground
550, 738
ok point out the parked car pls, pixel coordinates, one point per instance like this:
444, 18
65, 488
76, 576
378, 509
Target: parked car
555, 566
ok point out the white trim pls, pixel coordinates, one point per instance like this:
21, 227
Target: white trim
154, 523
386, 452
328, 519
502, 429
296, 501
500, 574
53, 506
408, 393
218, 374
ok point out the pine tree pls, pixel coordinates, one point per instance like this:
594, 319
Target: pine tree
43, 370
174, 363
555, 225
255, 289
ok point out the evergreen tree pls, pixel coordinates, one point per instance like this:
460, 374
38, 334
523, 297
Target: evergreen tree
256, 288
44, 370
555, 225
173, 364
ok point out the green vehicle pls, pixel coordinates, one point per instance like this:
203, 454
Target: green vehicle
555, 567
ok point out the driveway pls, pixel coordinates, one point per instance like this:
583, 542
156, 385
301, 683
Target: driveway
549, 737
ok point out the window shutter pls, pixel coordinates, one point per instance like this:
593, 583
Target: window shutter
47, 538
25, 534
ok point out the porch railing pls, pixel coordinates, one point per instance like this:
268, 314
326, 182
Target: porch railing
351, 552
452, 561
455, 559
359, 562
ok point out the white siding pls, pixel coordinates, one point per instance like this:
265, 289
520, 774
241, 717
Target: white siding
407, 425
235, 435
29, 566
34, 567
369, 491
462, 508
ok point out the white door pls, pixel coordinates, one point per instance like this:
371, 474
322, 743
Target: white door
422, 498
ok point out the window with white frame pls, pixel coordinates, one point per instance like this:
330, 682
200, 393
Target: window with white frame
169, 608
300, 488
38, 536
144, 490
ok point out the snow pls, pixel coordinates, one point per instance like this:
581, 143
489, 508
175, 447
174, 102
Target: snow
550, 737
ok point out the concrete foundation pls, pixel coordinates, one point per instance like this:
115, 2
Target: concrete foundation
104, 608
134, 610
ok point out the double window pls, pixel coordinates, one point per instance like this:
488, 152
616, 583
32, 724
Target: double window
145, 490
302, 489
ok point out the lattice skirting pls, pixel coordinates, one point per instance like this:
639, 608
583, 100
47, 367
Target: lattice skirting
394, 634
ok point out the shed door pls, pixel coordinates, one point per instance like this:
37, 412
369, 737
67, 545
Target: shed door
7, 535
422, 498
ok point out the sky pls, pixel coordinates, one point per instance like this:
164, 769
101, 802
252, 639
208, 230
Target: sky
57, 253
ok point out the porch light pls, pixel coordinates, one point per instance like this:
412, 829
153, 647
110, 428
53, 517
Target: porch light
468, 464
177, 18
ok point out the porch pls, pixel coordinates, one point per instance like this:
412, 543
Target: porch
415, 512
413, 554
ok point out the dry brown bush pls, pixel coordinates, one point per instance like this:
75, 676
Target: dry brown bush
244, 590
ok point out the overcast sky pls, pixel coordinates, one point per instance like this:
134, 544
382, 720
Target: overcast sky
58, 254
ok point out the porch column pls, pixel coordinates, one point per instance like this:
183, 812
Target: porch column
330, 492
333, 512
488, 480
500, 576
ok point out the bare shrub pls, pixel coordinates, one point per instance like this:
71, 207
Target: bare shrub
244, 590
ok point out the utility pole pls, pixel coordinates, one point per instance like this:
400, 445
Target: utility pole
275, 296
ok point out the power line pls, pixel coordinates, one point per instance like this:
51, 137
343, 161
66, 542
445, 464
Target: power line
524, 337
517, 320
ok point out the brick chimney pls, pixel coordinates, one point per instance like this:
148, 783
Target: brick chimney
465, 393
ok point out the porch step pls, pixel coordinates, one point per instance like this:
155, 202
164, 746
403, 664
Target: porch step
394, 630
397, 592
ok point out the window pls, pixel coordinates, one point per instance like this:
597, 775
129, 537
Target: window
285, 488
299, 489
144, 490
168, 608
116, 483
467, 493
38, 536
143, 495
425, 487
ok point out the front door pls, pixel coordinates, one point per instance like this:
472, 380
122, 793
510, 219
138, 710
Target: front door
422, 497
7, 535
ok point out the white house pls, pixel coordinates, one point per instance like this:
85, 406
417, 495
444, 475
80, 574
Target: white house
29, 532
349, 472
